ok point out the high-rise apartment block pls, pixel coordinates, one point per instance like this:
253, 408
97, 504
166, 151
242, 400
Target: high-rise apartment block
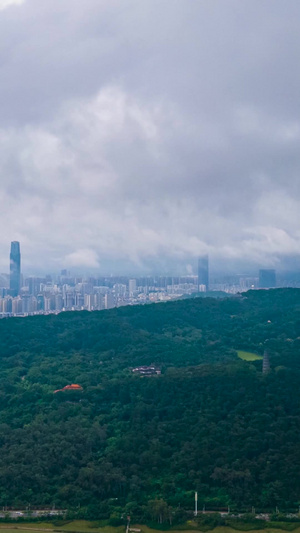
109, 301
132, 287
203, 275
15, 269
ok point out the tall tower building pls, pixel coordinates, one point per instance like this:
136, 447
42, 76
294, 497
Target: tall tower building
267, 279
15, 268
203, 276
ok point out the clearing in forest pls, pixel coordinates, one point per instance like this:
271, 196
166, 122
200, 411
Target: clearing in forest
248, 356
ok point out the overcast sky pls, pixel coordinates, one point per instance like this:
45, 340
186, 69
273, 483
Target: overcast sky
138, 134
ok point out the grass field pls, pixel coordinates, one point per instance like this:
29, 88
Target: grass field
80, 526
248, 356
83, 526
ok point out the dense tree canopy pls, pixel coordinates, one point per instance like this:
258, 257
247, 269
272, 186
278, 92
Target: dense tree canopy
210, 422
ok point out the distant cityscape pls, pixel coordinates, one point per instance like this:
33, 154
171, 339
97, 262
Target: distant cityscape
54, 294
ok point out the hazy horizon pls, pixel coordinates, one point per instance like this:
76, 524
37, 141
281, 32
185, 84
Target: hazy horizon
217, 269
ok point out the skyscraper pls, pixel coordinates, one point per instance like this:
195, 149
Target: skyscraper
203, 277
15, 268
267, 279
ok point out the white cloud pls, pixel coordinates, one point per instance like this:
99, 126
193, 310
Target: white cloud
81, 258
7, 3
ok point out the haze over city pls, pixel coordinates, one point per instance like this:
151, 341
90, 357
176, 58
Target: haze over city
137, 136
22, 295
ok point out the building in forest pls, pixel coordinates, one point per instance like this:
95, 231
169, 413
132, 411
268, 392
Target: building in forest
146, 370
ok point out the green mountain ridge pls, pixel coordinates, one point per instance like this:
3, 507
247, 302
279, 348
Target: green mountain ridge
210, 422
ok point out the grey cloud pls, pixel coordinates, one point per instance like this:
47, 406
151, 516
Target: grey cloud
4, 4
141, 130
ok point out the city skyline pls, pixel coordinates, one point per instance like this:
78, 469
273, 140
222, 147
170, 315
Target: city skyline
22, 295
200, 265
191, 266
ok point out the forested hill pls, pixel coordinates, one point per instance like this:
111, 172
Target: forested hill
210, 422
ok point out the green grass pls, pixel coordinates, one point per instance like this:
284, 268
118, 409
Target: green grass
85, 526
8, 528
82, 526
248, 356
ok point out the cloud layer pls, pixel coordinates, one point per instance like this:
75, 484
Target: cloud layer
8, 3
147, 133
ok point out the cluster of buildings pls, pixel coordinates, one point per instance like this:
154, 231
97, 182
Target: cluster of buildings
53, 294
151, 370
65, 293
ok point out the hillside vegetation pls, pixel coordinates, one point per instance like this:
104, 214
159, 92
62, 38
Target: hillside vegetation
210, 422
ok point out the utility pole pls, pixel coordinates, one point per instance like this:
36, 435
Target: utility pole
196, 503
128, 524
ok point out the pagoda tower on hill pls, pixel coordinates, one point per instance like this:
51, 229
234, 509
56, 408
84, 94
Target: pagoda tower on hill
266, 363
